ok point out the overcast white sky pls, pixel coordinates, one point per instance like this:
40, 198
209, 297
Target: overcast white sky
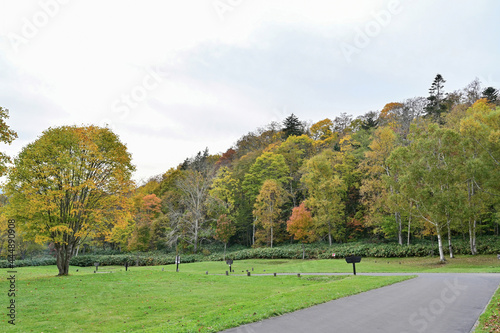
173, 77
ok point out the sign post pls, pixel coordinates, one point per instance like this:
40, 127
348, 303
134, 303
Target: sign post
229, 262
353, 260
177, 262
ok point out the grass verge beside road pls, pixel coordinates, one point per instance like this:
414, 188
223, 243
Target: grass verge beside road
489, 322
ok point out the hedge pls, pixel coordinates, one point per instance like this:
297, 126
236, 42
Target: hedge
485, 245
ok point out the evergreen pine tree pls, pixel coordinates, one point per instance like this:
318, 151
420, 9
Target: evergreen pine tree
436, 106
292, 126
491, 94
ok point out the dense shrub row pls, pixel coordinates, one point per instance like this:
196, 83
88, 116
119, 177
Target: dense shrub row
486, 245
43, 261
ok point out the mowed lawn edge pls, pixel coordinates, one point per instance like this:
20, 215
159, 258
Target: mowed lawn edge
489, 321
151, 300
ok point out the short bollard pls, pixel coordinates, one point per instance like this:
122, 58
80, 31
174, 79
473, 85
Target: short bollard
248, 273
177, 262
274, 274
230, 262
298, 275
227, 273
206, 272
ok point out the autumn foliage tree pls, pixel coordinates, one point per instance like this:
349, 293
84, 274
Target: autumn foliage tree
71, 183
7, 135
150, 209
224, 231
301, 225
268, 206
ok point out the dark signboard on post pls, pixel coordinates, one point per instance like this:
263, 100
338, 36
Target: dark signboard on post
353, 260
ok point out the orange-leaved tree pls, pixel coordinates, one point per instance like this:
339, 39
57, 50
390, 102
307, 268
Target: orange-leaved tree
301, 225
69, 184
150, 208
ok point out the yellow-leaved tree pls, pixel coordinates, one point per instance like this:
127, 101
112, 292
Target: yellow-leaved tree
69, 184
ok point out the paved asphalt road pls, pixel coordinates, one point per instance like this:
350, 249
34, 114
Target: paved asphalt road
432, 302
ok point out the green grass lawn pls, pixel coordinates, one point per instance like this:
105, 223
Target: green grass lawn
151, 300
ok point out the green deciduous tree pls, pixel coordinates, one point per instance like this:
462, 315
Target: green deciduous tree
295, 150
325, 189
223, 192
266, 167
431, 179
480, 130
373, 190
268, 206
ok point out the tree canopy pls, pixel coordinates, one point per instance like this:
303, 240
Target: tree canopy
71, 183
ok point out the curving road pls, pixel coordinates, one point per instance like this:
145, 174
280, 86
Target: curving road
432, 302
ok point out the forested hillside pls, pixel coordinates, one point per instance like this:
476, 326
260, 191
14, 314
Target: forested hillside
424, 167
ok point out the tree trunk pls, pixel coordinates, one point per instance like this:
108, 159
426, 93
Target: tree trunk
472, 225
409, 223
472, 234
195, 237
450, 247
63, 255
329, 234
253, 234
400, 228
271, 236
294, 200
225, 251
440, 245
303, 251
